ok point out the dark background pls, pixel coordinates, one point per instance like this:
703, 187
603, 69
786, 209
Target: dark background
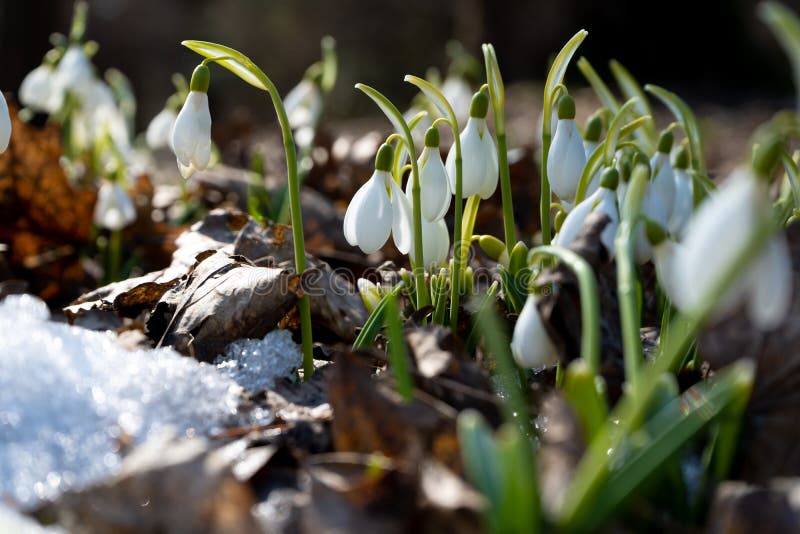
708, 51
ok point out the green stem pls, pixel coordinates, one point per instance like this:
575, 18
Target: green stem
398, 356
544, 199
604, 450
505, 189
114, 254
458, 248
626, 276
590, 303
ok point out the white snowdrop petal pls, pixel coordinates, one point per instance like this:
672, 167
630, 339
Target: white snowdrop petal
573, 223
668, 258
664, 181
191, 135
401, 219
159, 131
771, 290
684, 203
434, 186
435, 244
607, 204
74, 71
473, 162
566, 160
37, 88
186, 170
114, 208
491, 177
5, 124
653, 209
531, 344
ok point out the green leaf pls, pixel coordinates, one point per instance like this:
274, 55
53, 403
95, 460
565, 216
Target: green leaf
391, 112
233, 60
635, 125
785, 24
600, 88
665, 434
686, 117
436, 97
496, 87
556, 75
398, 355
631, 88
614, 130
479, 453
375, 321
519, 509
329, 63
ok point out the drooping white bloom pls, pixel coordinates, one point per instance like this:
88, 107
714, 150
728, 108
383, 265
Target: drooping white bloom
303, 104
372, 215
567, 158
191, 136
435, 244
5, 124
114, 209
684, 196
714, 238
38, 90
74, 72
531, 344
652, 209
604, 200
434, 184
159, 131
478, 161
479, 166
664, 180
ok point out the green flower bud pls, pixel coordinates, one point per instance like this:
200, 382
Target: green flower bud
479, 106
610, 178
384, 158
432, 137
201, 78
566, 107
681, 159
665, 141
593, 129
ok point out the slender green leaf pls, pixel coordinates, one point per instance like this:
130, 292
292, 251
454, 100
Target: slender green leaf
329, 63
435, 96
479, 453
785, 24
233, 60
683, 113
600, 88
519, 509
556, 74
631, 88
496, 87
398, 355
669, 430
635, 125
614, 130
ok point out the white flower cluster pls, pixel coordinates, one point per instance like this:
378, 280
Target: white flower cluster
380, 207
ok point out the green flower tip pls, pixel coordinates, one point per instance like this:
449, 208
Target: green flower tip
432, 137
593, 130
656, 233
384, 158
201, 78
665, 141
766, 156
566, 107
641, 169
480, 105
610, 178
681, 160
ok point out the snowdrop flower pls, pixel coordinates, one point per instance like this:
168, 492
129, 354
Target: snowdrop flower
303, 103
433, 182
74, 71
479, 167
567, 158
604, 200
5, 124
531, 343
191, 136
38, 90
684, 195
714, 238
159, 131
591, 140
435, 244
653, 210
663, 176
372, 215
114, 209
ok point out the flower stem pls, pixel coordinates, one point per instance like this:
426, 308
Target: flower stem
505, 189
114, 254
590, 303
458, 252
544, 199
626, 276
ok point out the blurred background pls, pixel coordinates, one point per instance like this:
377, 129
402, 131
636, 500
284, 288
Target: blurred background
708, 51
